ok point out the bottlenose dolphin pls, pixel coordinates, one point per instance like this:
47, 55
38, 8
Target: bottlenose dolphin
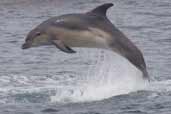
91, 29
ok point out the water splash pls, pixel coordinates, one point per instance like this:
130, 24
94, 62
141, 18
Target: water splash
112, 75
86, 76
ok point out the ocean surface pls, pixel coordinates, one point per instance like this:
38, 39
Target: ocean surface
44, 80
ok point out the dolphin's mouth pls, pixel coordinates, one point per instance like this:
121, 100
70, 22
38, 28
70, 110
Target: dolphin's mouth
25, 46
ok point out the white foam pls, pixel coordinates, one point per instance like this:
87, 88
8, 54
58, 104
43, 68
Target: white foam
113, 75
107, 74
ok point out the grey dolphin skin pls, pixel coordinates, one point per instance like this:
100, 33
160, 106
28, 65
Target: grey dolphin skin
91, 29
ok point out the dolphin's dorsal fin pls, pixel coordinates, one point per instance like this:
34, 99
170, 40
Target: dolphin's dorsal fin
102, 9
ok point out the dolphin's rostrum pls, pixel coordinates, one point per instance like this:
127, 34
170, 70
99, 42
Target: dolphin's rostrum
91, 29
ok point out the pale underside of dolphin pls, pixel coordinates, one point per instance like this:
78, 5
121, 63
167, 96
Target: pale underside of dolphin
91, 29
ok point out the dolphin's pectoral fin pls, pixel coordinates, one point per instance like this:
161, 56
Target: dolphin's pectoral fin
60, 45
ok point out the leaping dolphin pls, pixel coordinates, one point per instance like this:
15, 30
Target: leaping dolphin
91, 29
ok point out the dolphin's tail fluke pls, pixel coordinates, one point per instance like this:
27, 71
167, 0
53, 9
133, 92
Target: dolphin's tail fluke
146, 75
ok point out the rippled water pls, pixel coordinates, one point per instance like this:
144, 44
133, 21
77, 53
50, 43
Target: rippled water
45, 80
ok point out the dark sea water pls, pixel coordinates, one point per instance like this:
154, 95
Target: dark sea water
45, 80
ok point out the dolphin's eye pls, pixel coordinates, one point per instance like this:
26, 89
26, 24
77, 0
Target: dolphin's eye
38, 33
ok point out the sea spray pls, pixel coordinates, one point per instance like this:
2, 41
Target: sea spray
111, 75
